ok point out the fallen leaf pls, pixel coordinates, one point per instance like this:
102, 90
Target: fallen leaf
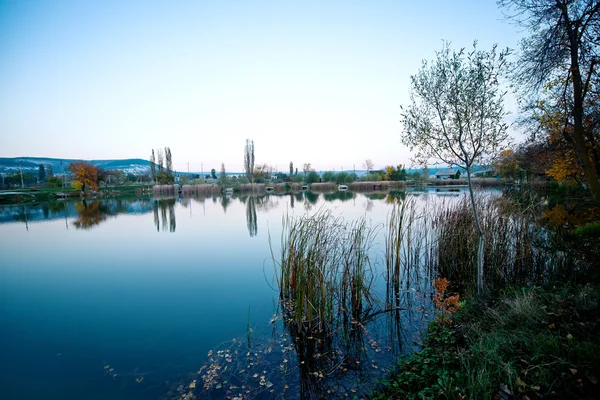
573, 371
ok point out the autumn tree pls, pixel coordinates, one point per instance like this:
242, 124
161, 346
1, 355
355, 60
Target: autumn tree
506, 164
249, 160
86, 174
557, 69
456, 116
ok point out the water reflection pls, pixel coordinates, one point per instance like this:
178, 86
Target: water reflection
251, 219
163, 206
90, 214
339, 195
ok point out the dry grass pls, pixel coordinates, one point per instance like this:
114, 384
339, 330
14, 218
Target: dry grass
368, 186
252, 188
322, 187
201, 190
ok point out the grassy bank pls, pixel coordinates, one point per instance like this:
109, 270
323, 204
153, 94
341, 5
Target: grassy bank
37, 195
534, 343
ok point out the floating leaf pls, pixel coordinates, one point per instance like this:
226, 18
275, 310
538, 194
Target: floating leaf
139, 379
192, 385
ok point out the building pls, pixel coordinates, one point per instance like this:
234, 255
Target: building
447, 174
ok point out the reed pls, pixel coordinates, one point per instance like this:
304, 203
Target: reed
295, 187
324, 270
165, 190
200, 190
322, 187
252, 188
517, 250
369, 186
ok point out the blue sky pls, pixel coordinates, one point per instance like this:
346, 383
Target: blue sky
317, 82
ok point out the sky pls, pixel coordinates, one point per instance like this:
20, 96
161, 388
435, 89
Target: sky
317, 82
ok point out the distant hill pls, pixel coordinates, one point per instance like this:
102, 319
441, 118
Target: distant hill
32, 164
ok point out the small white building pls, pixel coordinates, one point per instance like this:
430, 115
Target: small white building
447, 174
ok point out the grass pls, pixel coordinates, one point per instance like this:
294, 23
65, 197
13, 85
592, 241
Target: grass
524, 343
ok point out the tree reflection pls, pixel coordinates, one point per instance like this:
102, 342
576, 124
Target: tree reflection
341, 195
161, 220
225, 202
90, 214
251, 219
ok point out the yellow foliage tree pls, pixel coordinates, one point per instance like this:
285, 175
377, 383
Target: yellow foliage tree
86, 174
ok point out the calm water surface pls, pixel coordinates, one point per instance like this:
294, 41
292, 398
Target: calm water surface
146, 287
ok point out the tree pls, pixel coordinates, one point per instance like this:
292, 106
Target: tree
456, 116
85, 173
153, 166
312, 177
161, 165
41, 173
169, 162
249, 160
291, 170
223, 176
306, 168
368, 165
562, 54
53, 182
49, 171
263, 171
213, 173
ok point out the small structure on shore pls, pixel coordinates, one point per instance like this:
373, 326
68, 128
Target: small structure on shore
447, 174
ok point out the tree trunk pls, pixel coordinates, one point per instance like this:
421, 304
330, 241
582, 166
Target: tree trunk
480, 249
580, 145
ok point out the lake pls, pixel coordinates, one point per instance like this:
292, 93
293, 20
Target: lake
142, 298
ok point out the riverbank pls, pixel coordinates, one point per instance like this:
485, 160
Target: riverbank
38, 195
529, 343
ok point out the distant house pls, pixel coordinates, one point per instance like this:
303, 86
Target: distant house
447, 174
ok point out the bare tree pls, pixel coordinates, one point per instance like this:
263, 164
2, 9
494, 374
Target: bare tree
368, 165
307, 167
456, 116
562, 53
153, 166
249, 160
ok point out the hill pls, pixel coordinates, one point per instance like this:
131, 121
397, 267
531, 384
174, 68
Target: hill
32, 164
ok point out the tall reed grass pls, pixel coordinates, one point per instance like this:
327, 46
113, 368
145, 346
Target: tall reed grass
165, 190
252, 188
201, 190
322, 187
518, 251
